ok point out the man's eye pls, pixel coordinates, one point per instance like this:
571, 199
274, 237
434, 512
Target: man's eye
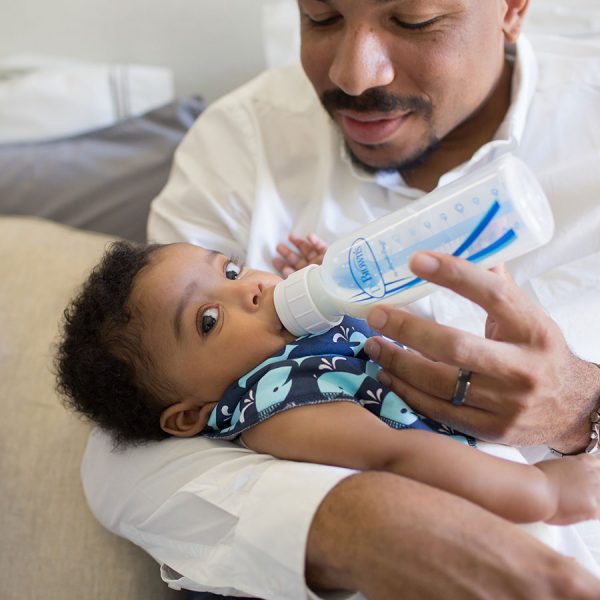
207, 319
415, 26
232, 269
322, 22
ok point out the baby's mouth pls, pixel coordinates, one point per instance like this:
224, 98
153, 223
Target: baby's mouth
279, 326
283, 331
282, 328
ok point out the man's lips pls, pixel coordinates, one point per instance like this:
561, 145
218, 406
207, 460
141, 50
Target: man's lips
371, 128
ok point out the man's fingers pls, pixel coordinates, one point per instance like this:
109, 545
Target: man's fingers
436, 380
427, 387
441, 343
493, 290
465, 419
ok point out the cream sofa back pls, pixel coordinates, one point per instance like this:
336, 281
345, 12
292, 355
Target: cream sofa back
51, 548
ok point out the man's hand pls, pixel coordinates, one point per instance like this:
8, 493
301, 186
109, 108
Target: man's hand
527, 387
391, 537
309, 251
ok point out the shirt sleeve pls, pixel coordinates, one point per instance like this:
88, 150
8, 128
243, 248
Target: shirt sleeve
216, 517
209, 197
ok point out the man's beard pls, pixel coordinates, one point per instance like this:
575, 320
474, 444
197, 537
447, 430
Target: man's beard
402, 166
378, 100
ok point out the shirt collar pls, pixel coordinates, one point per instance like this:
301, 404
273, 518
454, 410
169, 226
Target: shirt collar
507, 138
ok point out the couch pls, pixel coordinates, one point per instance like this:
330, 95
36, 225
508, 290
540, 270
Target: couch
52, 548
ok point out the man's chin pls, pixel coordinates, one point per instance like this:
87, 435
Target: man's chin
370, 163
377, 159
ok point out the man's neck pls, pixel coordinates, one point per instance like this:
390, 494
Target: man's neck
461, 143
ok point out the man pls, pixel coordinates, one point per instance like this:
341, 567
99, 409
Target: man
415, 95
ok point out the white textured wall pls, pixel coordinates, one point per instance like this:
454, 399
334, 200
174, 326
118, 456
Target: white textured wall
212, 45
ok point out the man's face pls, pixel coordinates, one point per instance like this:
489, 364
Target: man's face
399, 76
206, 320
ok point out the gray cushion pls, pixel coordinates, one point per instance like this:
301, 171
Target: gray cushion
103, 180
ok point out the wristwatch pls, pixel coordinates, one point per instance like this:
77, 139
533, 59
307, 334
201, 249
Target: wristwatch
593, 446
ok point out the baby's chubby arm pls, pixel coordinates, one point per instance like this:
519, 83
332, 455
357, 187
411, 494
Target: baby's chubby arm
576, 482
347, 435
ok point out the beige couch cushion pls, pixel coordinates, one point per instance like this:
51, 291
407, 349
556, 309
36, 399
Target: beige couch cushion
51, 547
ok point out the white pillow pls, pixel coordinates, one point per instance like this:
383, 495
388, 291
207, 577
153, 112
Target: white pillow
49, 98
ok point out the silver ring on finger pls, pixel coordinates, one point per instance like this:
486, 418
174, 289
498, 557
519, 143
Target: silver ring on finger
463, 383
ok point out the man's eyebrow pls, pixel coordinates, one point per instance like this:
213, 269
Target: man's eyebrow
187, 294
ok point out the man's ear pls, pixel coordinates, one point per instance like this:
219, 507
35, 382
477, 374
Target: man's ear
513, 19
184, 419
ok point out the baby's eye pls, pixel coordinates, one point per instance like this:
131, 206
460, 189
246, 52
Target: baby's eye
232, 269
207, 319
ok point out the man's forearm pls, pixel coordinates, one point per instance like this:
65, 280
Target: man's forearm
575, 436
390, 537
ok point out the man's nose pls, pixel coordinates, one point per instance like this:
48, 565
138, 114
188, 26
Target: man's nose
361, 61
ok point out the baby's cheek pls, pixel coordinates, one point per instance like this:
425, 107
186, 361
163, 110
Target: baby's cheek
267, 347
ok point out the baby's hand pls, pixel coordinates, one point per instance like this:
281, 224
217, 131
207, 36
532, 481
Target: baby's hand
309, 251
576, 481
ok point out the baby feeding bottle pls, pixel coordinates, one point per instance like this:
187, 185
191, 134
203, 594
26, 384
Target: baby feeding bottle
488, 216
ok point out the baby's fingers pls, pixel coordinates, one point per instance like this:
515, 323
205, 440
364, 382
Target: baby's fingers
310, 248
289, 256
288, 261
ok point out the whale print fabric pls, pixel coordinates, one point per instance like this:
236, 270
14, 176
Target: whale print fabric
314, 369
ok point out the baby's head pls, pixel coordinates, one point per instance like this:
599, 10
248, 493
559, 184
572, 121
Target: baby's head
158, 333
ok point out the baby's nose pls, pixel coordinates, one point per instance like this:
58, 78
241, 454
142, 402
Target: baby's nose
256, 297
250, 295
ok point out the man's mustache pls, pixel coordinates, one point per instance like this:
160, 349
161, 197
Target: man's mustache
374, 100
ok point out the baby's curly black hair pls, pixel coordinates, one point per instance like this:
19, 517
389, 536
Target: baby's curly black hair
102, 368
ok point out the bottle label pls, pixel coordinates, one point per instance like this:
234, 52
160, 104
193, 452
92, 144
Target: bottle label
377, 272
365, 270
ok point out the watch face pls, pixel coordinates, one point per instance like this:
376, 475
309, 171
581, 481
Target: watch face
594, 433
593, 446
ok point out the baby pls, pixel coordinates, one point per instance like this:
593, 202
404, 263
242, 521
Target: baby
180, 340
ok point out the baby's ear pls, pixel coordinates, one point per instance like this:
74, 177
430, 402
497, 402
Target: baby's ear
185, 418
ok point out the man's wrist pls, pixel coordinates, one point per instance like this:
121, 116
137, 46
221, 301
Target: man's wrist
592, 432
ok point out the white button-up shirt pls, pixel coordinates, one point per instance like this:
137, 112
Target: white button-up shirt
267, 160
